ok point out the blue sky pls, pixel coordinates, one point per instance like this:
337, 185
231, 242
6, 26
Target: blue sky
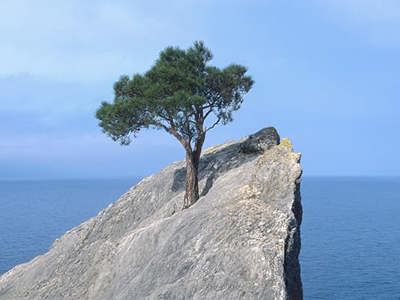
327, 75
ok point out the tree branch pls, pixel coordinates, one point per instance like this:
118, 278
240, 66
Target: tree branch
207, 113
213, 125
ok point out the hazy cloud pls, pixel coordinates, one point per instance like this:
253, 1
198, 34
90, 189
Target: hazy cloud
376, 20
326, 74
83, 40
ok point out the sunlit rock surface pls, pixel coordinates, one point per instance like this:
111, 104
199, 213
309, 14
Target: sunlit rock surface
241, 240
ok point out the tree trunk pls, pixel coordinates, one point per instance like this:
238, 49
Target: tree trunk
192, 181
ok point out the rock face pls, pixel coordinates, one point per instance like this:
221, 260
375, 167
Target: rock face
241, 240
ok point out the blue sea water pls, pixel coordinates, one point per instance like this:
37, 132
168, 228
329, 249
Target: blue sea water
34, 213
351, 238
350, 230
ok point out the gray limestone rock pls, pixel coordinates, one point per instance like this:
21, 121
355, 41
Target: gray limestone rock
241, 240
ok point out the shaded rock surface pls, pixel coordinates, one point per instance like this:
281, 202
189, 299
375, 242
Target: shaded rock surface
260, 141
241, 240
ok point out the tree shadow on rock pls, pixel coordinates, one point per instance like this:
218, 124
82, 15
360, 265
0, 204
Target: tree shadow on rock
212, 165
221, 159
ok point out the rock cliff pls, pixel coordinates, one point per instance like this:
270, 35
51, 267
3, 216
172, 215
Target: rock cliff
241, 240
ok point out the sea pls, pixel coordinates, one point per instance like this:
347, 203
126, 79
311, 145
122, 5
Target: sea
350, 231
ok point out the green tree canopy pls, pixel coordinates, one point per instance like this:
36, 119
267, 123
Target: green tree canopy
180, 94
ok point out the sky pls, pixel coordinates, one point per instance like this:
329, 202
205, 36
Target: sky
326, 74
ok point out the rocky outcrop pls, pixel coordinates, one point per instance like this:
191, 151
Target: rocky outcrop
260, 141
241, 240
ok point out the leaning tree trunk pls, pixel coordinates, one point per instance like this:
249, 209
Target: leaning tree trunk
192, 181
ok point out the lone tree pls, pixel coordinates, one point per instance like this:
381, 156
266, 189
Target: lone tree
180, 94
